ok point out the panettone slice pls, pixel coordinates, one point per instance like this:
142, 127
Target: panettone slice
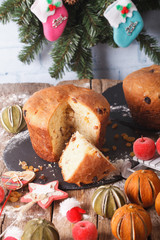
82, 162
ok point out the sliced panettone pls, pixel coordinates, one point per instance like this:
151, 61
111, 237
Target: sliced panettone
54, 114
82, 162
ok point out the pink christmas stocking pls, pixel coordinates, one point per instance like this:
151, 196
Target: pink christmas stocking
53, 16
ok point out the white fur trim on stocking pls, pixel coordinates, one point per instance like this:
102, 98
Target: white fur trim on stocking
39, 8
114, 16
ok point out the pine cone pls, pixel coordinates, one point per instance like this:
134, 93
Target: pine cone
71, 2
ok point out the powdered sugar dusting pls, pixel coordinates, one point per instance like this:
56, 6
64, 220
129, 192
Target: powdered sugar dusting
13, 99
121, 108
5, 101
18, 138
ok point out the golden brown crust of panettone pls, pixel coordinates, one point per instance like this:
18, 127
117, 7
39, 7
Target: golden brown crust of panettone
92, 169
41, 105
142, 92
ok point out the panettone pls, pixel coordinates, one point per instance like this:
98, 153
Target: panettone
81, 162
142, 93
54, 114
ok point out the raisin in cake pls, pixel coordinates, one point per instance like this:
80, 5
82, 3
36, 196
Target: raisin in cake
81, 162
54, 114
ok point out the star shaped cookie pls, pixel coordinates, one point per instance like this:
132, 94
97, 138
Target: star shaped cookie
44, 194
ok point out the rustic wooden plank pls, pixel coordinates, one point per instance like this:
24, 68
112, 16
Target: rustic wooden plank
21, 88
104, 229
35, 212
107, 83
15, 94
96, 85
79, 83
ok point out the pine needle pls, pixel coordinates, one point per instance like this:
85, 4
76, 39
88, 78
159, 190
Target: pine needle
85, 28
150, 46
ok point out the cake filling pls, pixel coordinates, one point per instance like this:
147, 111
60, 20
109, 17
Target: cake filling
69, 117
82, 162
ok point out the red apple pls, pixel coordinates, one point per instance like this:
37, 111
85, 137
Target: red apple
84, 230
158, 145
144, 148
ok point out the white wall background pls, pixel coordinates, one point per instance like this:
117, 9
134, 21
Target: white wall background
107, 62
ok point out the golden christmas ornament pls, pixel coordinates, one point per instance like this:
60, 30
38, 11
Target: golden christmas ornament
12, 119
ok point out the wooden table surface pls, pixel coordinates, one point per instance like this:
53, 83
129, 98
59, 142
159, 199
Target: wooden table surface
17, 93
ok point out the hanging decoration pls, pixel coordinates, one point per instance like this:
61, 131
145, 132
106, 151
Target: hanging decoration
78, 25
126, 21
53, 16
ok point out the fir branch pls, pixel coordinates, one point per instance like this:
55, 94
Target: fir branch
82, 62
150, 46
28, 33
91, 24
27, 54
7, 10
63, 52
24, 16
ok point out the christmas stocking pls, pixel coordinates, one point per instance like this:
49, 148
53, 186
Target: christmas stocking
53, 16
126, 21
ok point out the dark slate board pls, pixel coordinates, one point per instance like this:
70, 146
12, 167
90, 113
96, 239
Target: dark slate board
19, 148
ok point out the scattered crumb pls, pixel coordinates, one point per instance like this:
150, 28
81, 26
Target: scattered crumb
128, 144
124, 136
14, 196
116, 136
132, 154
36, 169
31, 168
25, 167
16, 206
109, 122
42, 177
105, 150
40, 168
115, 125
22, 163
130, 139
114, 148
